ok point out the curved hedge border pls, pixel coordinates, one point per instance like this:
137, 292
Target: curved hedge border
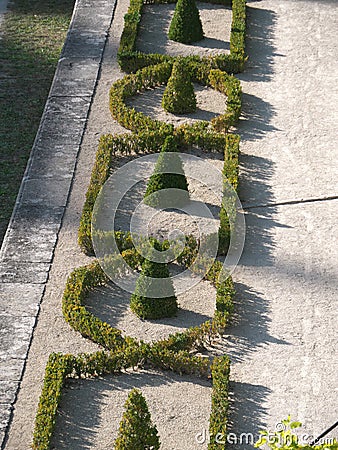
83, 279
153, 76
131, 60
112, 145
172, 353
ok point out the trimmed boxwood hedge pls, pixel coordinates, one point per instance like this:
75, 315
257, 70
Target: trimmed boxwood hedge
220, 371
186, 25
173, 353
168, 174
131, 60
153, 76
137, 431
112, 145
86, 278
179, 95
230, 175
142, 303
60, 367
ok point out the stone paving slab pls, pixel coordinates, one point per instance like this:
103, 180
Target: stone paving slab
76, 77
43, 191
20, 298
15, 334
28, 247
11, 370
7, 392
23, 272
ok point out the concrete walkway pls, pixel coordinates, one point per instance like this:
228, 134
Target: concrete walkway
27, 251
284, 344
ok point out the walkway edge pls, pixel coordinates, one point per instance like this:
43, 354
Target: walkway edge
27, 251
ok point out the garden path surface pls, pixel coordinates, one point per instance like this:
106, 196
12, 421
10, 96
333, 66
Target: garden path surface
282, 341
284, 345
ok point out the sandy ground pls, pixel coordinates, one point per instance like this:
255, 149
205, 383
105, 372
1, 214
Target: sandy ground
284, 349
155, 22
210, 103
180, 405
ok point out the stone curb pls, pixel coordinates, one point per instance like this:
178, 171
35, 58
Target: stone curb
27, 251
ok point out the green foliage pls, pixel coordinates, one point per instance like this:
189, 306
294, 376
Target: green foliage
78, 285
179, 96
145, 302
285, 438
137, 432
168, 174
56, 370
231, 87
131, 25
228, 208
109, 147
131, 60
220, 371
186, 25
149, 77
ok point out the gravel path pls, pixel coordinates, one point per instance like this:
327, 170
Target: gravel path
284, 348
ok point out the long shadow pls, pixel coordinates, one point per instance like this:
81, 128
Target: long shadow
153, 38
254, 191
149, 103
110, 303
255, 121
249, 327
260, 44
81, 412
246, 413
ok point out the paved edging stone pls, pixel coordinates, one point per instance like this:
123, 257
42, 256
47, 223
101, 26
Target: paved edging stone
28, 247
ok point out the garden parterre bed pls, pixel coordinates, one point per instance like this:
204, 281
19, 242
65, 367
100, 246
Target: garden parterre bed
173, 354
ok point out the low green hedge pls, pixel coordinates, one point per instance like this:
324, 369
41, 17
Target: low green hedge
60, 367
86, 278
131, 60
112, 145
137, 430
173, 353
153, 76
220, 371
230, 174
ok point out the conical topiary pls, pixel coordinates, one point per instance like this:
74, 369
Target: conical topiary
145, 302
137, 431
163, 179
186, 26
179, 96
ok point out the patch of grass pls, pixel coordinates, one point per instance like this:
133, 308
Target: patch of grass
31, 39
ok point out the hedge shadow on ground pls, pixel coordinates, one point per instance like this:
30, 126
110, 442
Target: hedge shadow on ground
255, 189
256, 117
242, 339
110, 303
259, 44
153, 34
81, 416
149, 103
246, 410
